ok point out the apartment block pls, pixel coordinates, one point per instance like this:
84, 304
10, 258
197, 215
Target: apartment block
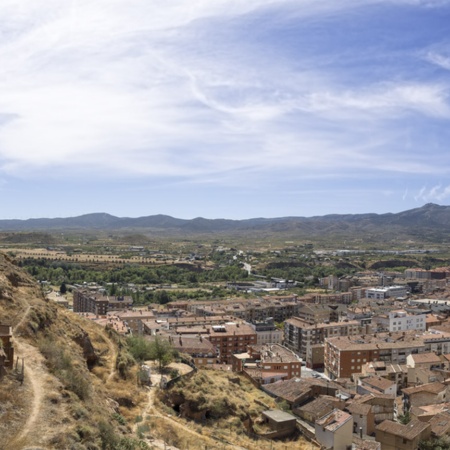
268, 363
400, 320
85, 300
231, 338
346, 355
300, 336
380, 293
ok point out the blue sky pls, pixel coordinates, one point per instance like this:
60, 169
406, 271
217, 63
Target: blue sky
224, 108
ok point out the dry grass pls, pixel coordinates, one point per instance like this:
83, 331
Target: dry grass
228, 404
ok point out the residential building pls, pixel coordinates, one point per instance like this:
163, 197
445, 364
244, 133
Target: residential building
363, 418
134, 319
380, 293
397, 373
395, 436
424, 394
376, 385
300, 336
335, 430
400, 320
383, 407
346, 355
298, 391
318, 408
201, 350
230, 338
326, 299
313, 314
85, 300
422, 274
282, 423
267, 332
267, 363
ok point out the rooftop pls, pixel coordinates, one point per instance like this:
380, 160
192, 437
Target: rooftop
410, 431
378, 382
433, 388
334, 420
278, 415
426, 358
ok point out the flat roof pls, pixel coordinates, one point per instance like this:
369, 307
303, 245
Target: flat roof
278, 415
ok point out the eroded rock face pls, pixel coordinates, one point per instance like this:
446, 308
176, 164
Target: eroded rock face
189, 410
91, 357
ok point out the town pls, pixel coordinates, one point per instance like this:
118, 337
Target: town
361, 361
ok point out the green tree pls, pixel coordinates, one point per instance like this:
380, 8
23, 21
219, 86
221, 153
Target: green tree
437, 443
140, 348
161, 297
404, 418
161, 350
63, 288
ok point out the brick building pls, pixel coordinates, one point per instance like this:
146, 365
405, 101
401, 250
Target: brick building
300, 336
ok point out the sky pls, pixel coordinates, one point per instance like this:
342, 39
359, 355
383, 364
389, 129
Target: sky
223, 108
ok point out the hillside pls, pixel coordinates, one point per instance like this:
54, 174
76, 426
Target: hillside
71, 394
79, 389
428, 223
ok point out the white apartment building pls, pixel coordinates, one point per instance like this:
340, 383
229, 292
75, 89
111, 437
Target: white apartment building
380, 293
400, 320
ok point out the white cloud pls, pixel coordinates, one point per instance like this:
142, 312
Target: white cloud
439, 59
147, 88
437, 193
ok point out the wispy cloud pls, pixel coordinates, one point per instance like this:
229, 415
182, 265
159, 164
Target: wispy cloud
439, 59
185, 90
437, 193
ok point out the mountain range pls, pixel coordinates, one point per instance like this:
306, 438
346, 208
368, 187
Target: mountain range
430, 221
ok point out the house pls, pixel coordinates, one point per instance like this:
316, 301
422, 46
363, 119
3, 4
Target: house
377, 385
428, 360
395, 436
363, 418
335, 430
282, 423
134, 319
319, 407
298, 391
421, 367
202, 351
426, 412
267, 363
425, 394
440, 424
397, 373
382, 406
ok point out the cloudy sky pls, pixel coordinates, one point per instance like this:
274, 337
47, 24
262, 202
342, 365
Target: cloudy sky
223, 108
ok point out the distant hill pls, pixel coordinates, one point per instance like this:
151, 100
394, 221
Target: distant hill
430, 222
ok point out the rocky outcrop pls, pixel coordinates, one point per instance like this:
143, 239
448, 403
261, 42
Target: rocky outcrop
91, 357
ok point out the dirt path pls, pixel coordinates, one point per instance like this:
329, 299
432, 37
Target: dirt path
113, 352
35, 377
36, 382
